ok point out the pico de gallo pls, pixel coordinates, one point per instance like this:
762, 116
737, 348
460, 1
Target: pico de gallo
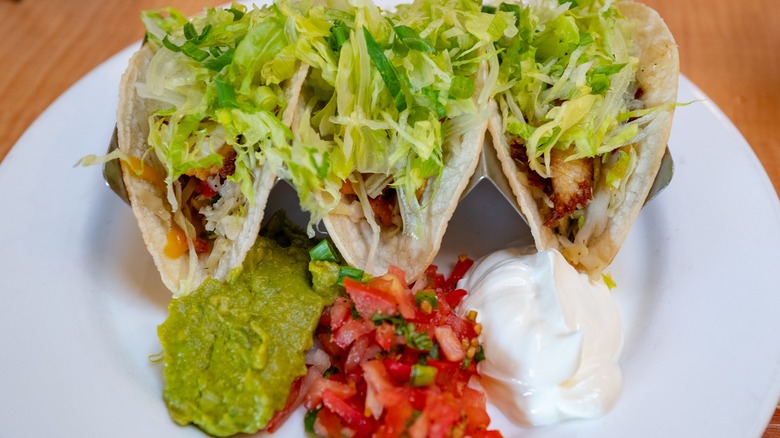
392, 360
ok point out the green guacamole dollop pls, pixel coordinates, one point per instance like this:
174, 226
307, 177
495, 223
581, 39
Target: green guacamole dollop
233, 349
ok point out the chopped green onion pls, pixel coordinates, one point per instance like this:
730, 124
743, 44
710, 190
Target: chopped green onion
237, 15
226, 95
348, 271
203, 34
480, 356
462, 87
400, 49
169, 45
417, 340
397, 321
355, 314
426, 295
324, 251
189, 31
309, 419
421, 112
422, 375
190, 49
413, 40
386, 70
434, 353
339, 34
509, 7
220, 61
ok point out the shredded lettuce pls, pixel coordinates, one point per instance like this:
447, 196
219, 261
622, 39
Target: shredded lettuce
382, 90
213, 85
568, 75
226, 94
568, 82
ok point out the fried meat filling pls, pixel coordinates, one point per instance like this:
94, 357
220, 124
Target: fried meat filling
384, 206
569, 187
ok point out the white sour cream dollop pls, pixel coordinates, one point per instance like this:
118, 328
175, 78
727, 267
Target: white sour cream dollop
551, 338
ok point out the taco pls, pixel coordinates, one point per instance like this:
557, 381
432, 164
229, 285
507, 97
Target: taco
200, 104
586, 97
390, 125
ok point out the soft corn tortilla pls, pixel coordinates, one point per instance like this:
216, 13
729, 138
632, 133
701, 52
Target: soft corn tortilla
149, 202
353, 239
439, 200
659, 69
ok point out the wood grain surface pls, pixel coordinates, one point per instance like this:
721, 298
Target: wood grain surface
730, 49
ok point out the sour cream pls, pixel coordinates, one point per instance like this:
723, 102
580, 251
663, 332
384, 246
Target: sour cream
551, 338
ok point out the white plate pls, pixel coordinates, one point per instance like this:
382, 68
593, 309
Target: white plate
698, 288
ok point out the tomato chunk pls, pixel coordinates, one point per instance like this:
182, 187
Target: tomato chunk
450, 345
405, 373
368, 300
347, 412
352, 330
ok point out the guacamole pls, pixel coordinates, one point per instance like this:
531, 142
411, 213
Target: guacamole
233, 349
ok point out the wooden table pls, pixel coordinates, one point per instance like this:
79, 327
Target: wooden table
728, 48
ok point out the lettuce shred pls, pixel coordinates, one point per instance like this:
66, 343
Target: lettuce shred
568, 82
383, 91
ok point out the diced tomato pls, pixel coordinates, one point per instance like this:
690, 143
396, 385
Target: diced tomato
347, 412
319, 386
444, 306
368, 300
419, 429
461, 327
487, 434
435, 279
450, 378
417, 397
377, 376
449, 343
329, 344
362, 350
443, 411
422, 317
385, 335
371, 394
461, 266
400, 372
428, 328
398, 272
205, 189
327, 424
473, 404
378, 383
340, 312
352, 330
398, 415
455, 297
393, 285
